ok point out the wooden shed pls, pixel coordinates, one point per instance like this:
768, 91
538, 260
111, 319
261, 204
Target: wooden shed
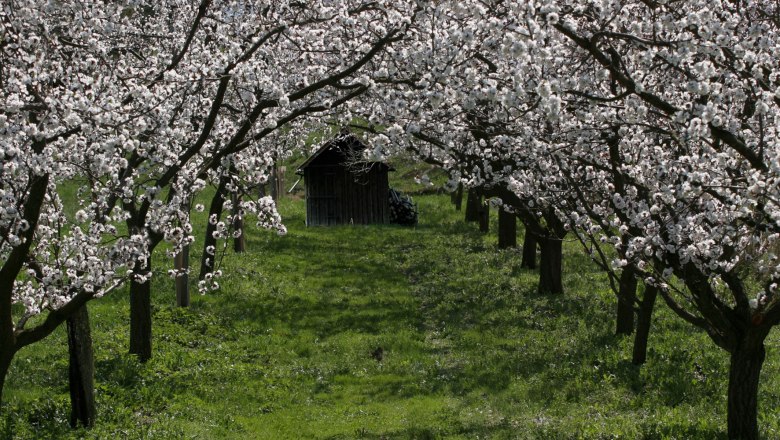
342, 188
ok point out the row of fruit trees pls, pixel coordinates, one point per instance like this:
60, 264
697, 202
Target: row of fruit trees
647, 129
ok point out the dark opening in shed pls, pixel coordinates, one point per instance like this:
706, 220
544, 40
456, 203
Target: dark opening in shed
342, 187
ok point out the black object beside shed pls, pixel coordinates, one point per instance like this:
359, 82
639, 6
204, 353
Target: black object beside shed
343, 188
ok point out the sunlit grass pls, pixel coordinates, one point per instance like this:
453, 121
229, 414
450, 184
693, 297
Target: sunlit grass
288, 348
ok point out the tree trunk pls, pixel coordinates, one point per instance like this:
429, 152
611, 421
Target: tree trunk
6, 356
457, 197
550, 265
239, 243
182, 264
744, 372
626, 298
484, 217
141, 317
643, 325
507, 229
7, 339
217, 202
473, 201
277, 182
529, 250
81, 369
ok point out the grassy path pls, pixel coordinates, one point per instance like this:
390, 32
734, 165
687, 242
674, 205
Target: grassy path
289, 347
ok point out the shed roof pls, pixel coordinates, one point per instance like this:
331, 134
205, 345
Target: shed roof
347, 145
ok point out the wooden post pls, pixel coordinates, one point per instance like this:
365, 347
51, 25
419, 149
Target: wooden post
277, 181
182, 265
272, 184
280, 174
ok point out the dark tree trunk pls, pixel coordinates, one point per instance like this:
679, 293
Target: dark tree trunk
550, 265
484, 217
81, 369
643, 325
457, 197
217, 202
182, 264
7, 340
626, 298
141, 316
6, 356
529, 250
473, 202
239, 243
507, 229
744, 372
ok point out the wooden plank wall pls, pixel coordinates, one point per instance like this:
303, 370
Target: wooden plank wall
335, 196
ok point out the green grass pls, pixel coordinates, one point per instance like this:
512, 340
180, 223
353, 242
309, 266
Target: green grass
470, 350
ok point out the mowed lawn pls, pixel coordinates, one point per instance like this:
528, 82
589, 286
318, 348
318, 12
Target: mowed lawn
384, 332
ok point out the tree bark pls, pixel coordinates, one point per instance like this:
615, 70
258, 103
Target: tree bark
473, 201
643, 325
7, 340
550, 265
239, 243
182, 264
6, 356
626, 297
81, 369
217, 203
507, 229
529, 250
141, 316
744, 371
457, 197
484, 217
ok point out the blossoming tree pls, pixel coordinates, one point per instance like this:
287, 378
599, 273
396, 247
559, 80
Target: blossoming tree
650, 127
134, 105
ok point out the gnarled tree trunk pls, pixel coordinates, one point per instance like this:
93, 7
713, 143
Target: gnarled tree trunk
639, 355
141, 315
81, 369
744, 371
626, 298
551, 265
